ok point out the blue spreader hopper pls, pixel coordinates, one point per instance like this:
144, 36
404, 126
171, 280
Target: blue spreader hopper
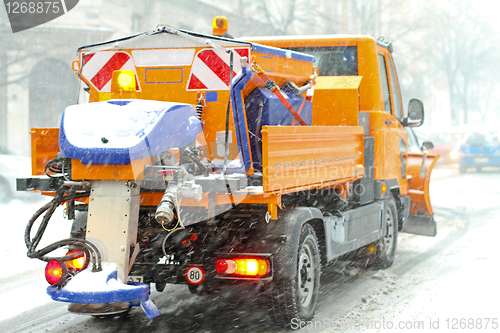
118, 131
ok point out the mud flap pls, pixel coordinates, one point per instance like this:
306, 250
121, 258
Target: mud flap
420, 225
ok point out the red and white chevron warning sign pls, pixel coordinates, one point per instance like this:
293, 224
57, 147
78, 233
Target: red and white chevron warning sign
98, 68
210, 70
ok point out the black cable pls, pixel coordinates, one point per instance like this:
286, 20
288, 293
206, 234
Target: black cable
49, 209
226, 134
65, 175
96, 258
191, 156
112, 41
45, 221
27, 230
58, 166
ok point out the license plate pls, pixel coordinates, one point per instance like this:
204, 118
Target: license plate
135, 278
481, 160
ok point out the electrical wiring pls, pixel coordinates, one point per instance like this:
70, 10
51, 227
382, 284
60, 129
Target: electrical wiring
163, 243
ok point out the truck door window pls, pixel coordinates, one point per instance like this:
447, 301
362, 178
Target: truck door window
413, 145
385, 84
333, 60
395, 91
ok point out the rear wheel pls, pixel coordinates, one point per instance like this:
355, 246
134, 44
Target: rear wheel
296, 297
385, 249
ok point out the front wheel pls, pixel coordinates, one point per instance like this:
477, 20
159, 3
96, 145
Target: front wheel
296, 297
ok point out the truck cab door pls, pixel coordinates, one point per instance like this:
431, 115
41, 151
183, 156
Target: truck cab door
419, 168
419, 164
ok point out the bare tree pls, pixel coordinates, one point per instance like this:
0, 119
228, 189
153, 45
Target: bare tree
461, 44
285, 16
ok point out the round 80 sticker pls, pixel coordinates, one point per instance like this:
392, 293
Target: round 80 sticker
195, 275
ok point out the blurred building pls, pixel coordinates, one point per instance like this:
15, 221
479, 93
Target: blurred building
36, 77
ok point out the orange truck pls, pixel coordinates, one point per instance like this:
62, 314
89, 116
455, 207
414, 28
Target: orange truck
210, 161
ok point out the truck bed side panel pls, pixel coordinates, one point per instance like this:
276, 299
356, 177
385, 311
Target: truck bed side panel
295, 156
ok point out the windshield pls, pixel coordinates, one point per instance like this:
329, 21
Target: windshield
334, 61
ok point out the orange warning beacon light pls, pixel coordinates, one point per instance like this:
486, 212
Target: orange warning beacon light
219, 26
123, 81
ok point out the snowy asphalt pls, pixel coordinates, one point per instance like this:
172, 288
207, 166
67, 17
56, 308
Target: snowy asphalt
436, 284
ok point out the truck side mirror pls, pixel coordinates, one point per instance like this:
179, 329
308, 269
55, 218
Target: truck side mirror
426, 145
415, 116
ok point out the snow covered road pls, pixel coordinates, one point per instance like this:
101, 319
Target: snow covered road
436, 284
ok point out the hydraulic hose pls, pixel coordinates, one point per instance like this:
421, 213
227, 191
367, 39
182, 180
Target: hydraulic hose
96, 257
49, 209
192, 157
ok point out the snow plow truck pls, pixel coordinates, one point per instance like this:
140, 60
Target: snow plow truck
211, 161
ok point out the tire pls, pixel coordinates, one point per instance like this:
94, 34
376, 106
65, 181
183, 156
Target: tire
462, 169
385, 249
296, 298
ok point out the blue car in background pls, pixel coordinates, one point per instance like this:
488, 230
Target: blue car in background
479, 149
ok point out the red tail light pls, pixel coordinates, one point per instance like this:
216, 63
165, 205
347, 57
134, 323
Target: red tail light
55, 272
246, 267
78, 263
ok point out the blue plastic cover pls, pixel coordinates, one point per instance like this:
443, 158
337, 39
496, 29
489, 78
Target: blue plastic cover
103, 287
273, 113
117, 131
